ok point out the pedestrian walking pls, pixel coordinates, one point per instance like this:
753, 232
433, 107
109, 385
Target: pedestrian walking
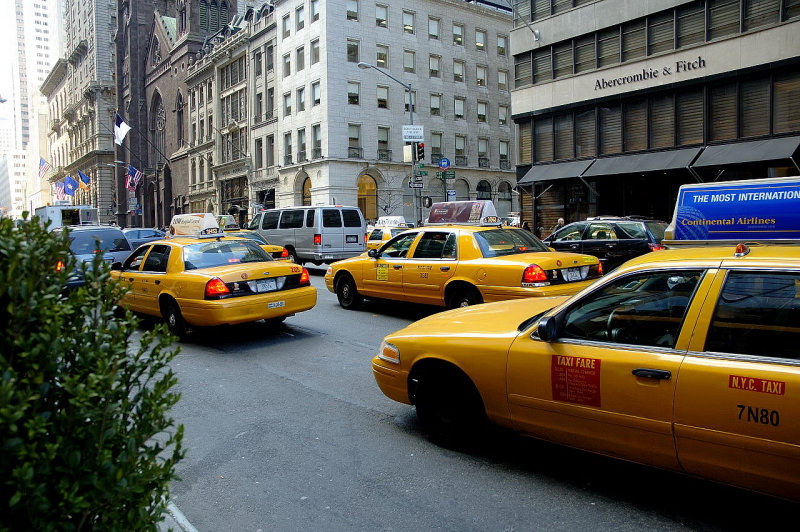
559, 224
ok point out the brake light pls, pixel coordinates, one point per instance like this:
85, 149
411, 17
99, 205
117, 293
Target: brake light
284, 253
317, 240
366, 237
534, 275
656, 247
59, 266
600, 268
215, 288
305, 279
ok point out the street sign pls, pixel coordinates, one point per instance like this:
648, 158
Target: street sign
413, 133
444, 163
412, 184
451, 195
449, 174
418, 178
422, 172
421, 166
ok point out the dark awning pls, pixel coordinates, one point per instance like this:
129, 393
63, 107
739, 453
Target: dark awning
748, 152
643, 162
548, 172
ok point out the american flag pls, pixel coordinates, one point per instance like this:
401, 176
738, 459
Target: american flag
44, 167
60, 194
133, 177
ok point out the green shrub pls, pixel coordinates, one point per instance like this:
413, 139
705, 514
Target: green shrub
86, 441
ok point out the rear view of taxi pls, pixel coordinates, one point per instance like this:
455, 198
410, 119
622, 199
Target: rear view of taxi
686, 359
199, 277
461, 257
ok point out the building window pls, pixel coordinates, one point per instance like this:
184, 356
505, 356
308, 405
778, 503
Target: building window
381, 16
633, 40
300, 18
661, 33
610, 129
382, 56
301, 145
315, 51
502, 80
352, 51
502, 44
480, 40
314, 10
408, 22
316, 140
503, 151
522, 70
287, 65
353, 89
786, 102
352, 9
383, 97
259, 155
482, 111
433, 28
287, 104
354, 141
690, 119
287, 26
383, 144
436, 146
300, 59
754, 105
608, 47
458, 34
436, 104
542, 65
635, 125
585, 54
316, 94
484, 190
257, 60
585, 134
301, 99
723, 18
287, 148
460, 146
459, 103
502, 112
433, 66
458, 70
480, 75
408, 61
722, 112
691, 24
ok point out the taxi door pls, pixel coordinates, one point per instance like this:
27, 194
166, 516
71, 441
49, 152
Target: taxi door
130, 276
383, 276
737, 403
607, 383
151, 277
432, 264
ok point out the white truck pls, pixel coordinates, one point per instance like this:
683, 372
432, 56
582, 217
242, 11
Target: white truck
63, 214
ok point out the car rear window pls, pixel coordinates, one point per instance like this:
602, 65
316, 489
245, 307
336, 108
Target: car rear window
85, 242
351, 218
502, 242
376, 234
222, 253
256, 237
631, 230
657, 228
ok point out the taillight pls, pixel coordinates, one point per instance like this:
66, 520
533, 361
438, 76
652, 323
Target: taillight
59, 266
656, 247
600, 268
284, 253
366, 237
317, 240
534, 275
305, 279
215, 288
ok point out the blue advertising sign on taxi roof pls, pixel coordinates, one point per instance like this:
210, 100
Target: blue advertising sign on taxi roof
739, 210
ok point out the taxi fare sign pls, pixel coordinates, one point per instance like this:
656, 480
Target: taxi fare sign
576, 379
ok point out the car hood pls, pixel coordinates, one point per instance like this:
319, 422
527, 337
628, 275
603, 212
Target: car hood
489, 319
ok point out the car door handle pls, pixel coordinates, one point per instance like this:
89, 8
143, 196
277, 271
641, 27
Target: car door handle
157, 281
397, 266
648, 373
444, 268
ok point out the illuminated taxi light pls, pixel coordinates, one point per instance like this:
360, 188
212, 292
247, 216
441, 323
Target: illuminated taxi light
656, 247
284, 253
389, 352
534, 276
305, 278
317, 240
741, 250
215, 288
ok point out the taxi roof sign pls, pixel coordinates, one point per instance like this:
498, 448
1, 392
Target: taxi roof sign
478, 212
228, 222
391, 221
763, 210
197, 225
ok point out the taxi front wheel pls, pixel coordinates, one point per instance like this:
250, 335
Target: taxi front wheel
347, 293
449, 407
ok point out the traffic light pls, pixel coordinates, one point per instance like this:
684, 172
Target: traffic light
420, 151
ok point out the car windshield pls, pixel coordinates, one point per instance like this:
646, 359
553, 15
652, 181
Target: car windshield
85, 242
501, 242
657, 228
222, 253
252, 236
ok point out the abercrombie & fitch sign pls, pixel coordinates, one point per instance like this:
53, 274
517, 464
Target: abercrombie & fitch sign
680, 67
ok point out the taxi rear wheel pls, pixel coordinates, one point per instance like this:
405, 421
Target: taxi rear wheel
449, 407
172, 315
464, 297
347, 293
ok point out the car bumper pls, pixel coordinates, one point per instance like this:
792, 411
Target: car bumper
392, 381
329, 282
245, 309
503, 293
331, 257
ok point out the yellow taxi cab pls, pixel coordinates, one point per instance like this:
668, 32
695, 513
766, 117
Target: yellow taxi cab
379, 235
276, 252
200, 277
461, 257
686, 359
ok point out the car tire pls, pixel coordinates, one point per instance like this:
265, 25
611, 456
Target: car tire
294, 257
347, 293
464, 297
175, 322
450, 408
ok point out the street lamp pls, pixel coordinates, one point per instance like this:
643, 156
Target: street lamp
115, 207
407, 86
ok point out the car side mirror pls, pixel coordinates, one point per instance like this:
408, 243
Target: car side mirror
547, 330
373, 253
117, 266
551, 249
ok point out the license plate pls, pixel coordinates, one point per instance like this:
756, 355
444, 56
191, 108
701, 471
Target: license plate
571, 274
352, 239
276, 304
327, 257
266, 285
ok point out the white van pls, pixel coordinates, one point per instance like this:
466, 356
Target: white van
323, 233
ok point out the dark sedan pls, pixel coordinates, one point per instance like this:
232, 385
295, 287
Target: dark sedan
611, 239
142, 235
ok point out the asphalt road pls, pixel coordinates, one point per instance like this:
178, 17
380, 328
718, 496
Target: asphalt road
286, 430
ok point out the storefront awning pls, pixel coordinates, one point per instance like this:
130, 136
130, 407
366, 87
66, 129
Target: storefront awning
643, 162
548, 172
748, 152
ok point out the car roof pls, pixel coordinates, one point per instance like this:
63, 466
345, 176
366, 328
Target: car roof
623, 219
80, 228
714, 254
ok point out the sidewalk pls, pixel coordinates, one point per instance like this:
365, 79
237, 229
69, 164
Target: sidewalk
175, 520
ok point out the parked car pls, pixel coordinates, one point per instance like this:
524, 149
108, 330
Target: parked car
612, 239
88, 240
142, 235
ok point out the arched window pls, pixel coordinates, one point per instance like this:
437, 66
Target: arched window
368, 197
157, 128
203, 15
307, 191
484, 190
462, 190
223, 13
213, 15
179, 119
503, 202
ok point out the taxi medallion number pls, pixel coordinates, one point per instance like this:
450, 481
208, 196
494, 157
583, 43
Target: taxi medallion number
266, 285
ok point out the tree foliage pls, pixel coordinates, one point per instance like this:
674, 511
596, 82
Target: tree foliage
86, 440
